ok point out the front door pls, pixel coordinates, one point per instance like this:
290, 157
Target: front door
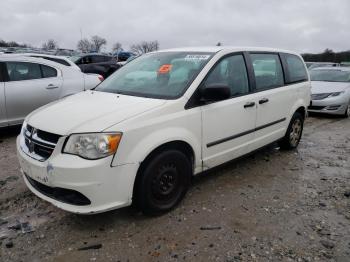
228, 126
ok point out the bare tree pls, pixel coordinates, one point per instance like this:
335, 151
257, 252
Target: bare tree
50, 45
145, 47
84, 45
219, 44
98, 42
117, 47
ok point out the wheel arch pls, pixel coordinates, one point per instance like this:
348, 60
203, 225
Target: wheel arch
300, 106
302, 111
180, 145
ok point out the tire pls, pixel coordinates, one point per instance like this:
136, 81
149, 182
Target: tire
163, 182
293, 135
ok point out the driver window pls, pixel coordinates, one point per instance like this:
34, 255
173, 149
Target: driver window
230, 71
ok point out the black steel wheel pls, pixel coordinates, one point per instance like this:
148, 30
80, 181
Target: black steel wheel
164, 182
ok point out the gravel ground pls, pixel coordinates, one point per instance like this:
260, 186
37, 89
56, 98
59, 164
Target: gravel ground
270, 206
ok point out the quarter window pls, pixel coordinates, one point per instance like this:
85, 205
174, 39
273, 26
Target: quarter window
230, 71
296, 69
18, 71
267, 70
48, 71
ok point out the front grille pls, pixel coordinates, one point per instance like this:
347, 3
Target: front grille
38, 144
316, 107
61, 194
320, 96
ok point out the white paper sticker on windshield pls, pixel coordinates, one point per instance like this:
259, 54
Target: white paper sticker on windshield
197, 57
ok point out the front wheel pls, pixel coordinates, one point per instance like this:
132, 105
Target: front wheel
293, 135
163, 182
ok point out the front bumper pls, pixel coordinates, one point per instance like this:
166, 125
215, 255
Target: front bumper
104, 186
333, 105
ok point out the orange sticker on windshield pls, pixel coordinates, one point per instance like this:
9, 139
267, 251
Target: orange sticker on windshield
165, 69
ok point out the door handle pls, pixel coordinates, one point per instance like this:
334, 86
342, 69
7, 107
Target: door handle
249, 104
51, 86
263, 101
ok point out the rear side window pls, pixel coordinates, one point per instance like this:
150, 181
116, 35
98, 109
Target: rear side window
295, 68
267, 70
86, 60
48, 71
18, 71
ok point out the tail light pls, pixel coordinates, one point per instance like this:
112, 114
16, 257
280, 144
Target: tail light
101, 78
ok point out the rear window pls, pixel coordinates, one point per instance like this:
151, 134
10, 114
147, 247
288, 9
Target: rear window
100, 59
296, 69
57, 60
267, 70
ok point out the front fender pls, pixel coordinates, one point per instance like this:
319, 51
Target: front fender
136, 150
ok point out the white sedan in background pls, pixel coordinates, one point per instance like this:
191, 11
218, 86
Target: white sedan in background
29, 81
330, 90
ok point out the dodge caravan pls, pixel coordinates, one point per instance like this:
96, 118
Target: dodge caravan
164, 117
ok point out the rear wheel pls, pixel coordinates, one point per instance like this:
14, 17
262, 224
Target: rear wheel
164, 182
293, 135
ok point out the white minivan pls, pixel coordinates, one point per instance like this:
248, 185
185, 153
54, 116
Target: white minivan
147, 129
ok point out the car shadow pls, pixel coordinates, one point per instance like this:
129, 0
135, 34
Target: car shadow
9, 132
328, 116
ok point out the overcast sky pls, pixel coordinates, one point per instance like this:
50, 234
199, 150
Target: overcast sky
300, 25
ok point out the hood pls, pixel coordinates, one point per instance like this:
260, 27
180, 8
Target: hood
320, 87
89, 111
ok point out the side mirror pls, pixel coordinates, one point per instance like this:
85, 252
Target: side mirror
215, 92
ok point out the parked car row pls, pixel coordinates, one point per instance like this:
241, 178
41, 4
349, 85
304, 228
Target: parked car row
30, 81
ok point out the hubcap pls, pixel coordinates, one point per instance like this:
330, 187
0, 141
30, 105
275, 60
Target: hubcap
295, 132
165, 183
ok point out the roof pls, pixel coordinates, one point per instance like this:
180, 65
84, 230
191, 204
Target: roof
215, 49
32, 58
39, 56
94, 54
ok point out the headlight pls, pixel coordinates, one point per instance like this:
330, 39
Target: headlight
336, 94
94, 145
24, 126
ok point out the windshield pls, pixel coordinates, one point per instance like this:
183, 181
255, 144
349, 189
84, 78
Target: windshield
330, 75
74, 58
164, 75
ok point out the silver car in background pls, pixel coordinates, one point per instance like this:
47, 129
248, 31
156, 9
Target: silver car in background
28, 82
330, 92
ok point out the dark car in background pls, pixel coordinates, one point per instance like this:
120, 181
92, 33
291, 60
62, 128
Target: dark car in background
104, 65
122, 56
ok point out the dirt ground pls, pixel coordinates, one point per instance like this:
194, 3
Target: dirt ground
271, 206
